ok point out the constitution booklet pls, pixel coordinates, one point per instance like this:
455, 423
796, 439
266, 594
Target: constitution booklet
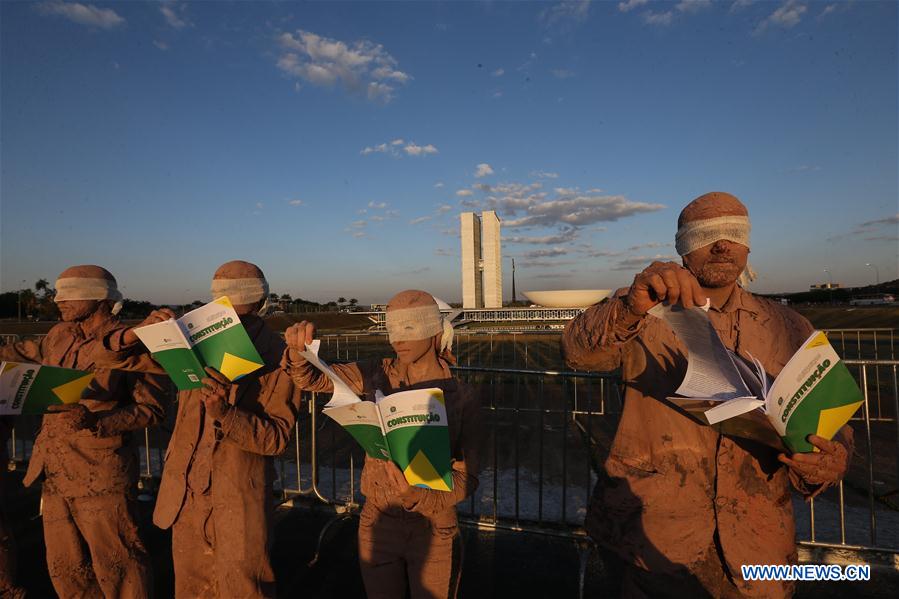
211, 335
814, 393
32, 388
408, 427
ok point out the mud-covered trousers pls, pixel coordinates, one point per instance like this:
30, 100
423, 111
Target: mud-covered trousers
93, 547
400, 552
206, 569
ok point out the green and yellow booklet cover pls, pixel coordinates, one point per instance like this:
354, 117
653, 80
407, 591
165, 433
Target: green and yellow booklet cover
814, 394
408, 427
31, 388
211, 335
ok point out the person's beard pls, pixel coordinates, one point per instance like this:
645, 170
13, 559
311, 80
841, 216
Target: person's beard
718, 272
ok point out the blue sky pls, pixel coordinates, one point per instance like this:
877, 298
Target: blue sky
335, 144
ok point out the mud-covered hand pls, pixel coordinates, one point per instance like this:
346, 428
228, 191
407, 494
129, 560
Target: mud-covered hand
396, 480
664, 282
160, 315
69, 418
216, 388
826, 466
296, 337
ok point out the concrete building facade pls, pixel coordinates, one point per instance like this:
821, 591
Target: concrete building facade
482, 273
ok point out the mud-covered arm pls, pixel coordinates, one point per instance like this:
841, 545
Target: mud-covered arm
593, 340
465, 469
23, 351
307, 377
150, 394
267, 433
135, 359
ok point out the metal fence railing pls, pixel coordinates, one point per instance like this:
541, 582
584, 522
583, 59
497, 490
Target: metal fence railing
547, 433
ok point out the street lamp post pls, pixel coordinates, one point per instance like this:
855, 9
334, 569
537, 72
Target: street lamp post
876, 272
19, 298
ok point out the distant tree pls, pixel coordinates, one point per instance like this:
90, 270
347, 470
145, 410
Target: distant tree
42, 287
353, 302
341, 301
9, 304
285, 297
273, 297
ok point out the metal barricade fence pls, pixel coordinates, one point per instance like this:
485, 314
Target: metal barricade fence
547, 434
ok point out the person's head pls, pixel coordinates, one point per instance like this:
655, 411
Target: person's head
85, 290
713, 238
243, 283
415, 326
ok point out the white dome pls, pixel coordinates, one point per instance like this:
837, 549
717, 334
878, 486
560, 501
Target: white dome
568, 298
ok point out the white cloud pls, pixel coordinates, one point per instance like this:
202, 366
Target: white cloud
567, 11
161, 45
630, 5
547, 252
527, 206
566, 235
482, 170
444, 208
662, 19
804, 168
464, 193
544, 175
420, 219
415, 150
443, 252
498, 72
827, 10
295, 202
170, 11
438, 185
83, 14
693, 5
377, 205
892, 220
562, 73
635, 263
787, 15
651, 245
362, 67
740, 4
410, 148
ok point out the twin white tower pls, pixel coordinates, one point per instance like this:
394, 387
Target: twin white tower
482, 261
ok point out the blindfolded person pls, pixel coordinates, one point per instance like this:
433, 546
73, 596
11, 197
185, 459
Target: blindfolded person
406, 533
679, 507
83, 450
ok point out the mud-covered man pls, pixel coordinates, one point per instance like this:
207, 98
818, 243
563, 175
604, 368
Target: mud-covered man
84, 450
216, 490
678, 507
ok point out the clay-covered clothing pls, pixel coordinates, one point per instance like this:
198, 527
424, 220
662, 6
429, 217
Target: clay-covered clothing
463, 420
204, 567
98, 461
93, 547
402, 550
671, 488
228, 464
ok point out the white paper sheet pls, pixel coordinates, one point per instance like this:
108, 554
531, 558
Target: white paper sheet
343, 395
711, 373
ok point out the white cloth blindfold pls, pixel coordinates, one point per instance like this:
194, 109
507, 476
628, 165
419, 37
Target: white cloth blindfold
240, 291
86, 288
